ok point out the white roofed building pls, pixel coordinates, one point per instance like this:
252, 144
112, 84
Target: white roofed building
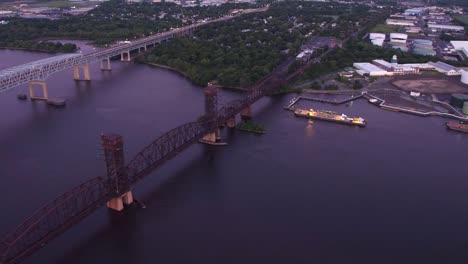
446, 27
445, 68
370, 69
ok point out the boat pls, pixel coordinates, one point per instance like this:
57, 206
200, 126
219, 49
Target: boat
22, 96
458, 126
330, 116
374, 101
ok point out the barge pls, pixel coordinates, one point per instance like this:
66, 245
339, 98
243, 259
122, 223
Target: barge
330, 116
458, 126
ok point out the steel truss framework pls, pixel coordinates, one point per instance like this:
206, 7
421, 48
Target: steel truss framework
68, 209
71, 207
41, 69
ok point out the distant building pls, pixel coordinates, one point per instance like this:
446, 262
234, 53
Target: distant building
458, 100
398, 37
377, 38
446, 27
460, 46
399, 22
445, 68
395, 68
366, 68
414, 11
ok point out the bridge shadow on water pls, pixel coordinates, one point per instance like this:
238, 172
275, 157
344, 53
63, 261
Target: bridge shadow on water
167, 195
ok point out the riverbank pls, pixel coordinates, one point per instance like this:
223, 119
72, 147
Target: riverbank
36, 50
187, 76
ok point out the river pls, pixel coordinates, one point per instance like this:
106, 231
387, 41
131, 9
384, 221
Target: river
393, 192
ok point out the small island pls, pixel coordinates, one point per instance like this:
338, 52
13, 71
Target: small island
251, 127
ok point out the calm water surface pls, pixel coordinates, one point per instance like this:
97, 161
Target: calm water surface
393, 192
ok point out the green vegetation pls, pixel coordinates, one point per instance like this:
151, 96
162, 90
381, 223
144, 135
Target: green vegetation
383, 28
43, 46
357, 85
462, 19
111, 21
243, 50
59, 3
251, 127
331, 87
287, 89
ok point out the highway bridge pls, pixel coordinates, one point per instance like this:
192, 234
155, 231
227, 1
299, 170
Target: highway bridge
35, 73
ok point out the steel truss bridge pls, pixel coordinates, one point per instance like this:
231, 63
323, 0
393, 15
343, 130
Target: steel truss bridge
41, 69
72, 206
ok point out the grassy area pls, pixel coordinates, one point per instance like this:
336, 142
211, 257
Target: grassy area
251, 127
462, 19
382, 28
58, 4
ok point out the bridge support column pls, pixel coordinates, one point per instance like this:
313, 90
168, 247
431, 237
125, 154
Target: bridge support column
77, 75
106, 65
117, 203
43, 84
231, 122
125, 56
246, 113
118, 181
211, 108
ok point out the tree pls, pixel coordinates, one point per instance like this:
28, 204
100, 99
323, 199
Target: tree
357, 85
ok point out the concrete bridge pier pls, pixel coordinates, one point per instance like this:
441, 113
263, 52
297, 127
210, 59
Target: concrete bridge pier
246, 113
106, 65
117, 203
231, 122
125, 56
144, 48
117, 177
43, 85
77, 75
211, 107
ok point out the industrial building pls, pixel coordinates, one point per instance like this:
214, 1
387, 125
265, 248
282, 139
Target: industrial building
377, 38
398, 37
460, 46
366, 68
464, 77
414, 12
399, 22
461, 101
445, 68
445, 27
395, 68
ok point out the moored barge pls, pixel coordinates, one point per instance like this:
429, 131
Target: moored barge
330, 116
458, 126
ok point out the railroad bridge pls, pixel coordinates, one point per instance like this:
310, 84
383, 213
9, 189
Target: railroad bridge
114, 189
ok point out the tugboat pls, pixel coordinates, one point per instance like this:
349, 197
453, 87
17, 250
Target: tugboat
460, 126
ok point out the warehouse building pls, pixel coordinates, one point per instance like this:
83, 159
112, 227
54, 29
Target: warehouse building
445, 68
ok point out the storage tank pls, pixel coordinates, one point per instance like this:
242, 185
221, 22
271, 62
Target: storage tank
464, 77
465, 107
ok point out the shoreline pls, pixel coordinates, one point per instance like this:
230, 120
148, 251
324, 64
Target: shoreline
186, 76
37, 50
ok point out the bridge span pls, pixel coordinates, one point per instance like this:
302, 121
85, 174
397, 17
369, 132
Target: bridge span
114, 189
35, 73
